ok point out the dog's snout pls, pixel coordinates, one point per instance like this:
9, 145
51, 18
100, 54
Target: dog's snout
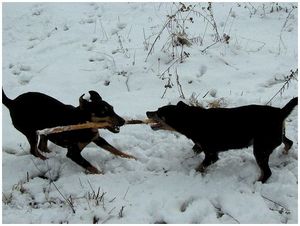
150, 114
121, 121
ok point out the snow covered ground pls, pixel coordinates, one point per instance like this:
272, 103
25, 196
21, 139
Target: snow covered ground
67, 49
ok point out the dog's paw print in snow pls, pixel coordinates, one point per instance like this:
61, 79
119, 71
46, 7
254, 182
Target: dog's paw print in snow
96, 59
202, 71
90, 19
90, 46
94, 5
121, 26
66, 27
22, 72
37, 10
186, 203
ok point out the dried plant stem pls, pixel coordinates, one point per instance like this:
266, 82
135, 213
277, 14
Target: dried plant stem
276, 203
213, 21
219, 209
157, 37
280, 35
286, 83
67, 200
209, 46
121, 212
179, 85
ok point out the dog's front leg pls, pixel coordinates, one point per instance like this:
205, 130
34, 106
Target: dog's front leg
262, 154
209, 159
42, 146
287, 144
74, 154
33, 139
106, 146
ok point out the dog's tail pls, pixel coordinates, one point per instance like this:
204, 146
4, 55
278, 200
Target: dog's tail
287, 109
5, 100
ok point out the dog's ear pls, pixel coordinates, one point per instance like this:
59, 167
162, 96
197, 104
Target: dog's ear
92, 96
82, 101
182, 104
95, 96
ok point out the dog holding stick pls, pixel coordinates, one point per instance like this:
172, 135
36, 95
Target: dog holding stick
220, 129
35, 111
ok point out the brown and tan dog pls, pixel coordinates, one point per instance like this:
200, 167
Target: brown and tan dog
36, 111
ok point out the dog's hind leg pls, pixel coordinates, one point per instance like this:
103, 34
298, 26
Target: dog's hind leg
106, 146
262, 154
75, 155
33, 139
209, 159
43, 144
287, 144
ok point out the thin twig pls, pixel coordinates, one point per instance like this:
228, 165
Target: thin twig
68, 201
168, 68
126, 82
121, 212
288, 79
219, 209
157, 37
209, 46
227, 20
214, 22
276, 203
104, 32
126, 193
169, 85
179, 85
281, 31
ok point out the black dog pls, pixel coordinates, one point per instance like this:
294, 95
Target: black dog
219, 129
35, 111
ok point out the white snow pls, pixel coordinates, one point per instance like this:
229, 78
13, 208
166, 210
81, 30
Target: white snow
67, 49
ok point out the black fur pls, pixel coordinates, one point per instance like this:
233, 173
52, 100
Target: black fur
220, 129
36, 111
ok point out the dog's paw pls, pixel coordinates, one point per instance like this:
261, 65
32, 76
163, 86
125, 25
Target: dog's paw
45, 150
93, 170
39, 155
285, 151
124, 155
200, 168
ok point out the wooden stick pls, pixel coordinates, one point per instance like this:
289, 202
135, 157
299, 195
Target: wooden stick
59, 129
88, 125
137, 121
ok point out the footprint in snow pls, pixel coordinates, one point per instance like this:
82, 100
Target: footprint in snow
22, 72
121, 26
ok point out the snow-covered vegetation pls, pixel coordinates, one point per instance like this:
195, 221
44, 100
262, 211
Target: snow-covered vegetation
140, 56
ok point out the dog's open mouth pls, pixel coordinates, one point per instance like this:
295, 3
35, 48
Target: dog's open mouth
114, 128
157, 123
